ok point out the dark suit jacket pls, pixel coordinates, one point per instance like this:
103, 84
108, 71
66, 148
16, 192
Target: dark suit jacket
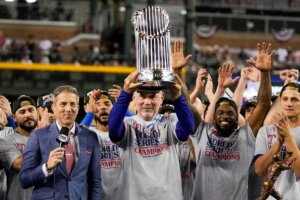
84, 181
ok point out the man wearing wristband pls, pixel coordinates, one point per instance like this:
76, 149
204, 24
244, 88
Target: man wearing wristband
68, 172
150, 163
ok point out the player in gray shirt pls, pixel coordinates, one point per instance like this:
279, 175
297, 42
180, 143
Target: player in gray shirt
150, 168
281, 137
224, 151
12, 146
3, 133
99, 104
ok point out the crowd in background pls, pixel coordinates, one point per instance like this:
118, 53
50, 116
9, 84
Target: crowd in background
32, 50
141, 131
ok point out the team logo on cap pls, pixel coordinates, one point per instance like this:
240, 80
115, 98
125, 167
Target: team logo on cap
224, 103
25, 103
103, 96
292, 88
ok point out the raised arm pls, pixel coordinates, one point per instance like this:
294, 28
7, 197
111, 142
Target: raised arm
119, 109
178, 59
262, 63
91, 108
209, 88
199, 84
185, 125
178, 63
224, 81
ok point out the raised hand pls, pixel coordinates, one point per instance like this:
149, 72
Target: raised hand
292, 75
91, 106
209, 86
283, 75
201, 80
289, 75
263, 60
253, 74
5, 105
178, 59
295, 73
130, 83
3, 118
225, 73
44, 121
115, 92
245, 73
175, 89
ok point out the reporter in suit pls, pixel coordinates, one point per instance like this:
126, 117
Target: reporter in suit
46, 166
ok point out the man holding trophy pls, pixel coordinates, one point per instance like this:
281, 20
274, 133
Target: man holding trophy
150, 158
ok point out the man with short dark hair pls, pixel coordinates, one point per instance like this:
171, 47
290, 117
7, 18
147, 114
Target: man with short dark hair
68, 172
12, 146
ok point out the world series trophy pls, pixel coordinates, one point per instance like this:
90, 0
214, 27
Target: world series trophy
153, 50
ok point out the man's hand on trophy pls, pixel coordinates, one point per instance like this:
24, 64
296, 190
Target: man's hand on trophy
174, 88
178, 59
130, 83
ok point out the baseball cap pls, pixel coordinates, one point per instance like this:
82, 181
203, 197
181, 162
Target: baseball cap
153, 86
45, 100
251, 102
104, 94
22, 100
224, 101
290, 86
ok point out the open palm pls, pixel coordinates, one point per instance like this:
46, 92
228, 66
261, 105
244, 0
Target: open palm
225, 73
263, 60
178, 59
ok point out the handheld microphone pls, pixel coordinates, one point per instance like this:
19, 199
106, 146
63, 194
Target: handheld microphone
62, 137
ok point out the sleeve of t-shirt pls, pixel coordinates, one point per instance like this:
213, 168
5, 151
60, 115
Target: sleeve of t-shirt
9, 152
261, 144
116, 117
196, 138
250, 136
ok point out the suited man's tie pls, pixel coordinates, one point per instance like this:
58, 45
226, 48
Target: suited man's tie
69, 151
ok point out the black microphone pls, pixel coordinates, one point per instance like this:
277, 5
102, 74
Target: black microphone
62, 137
